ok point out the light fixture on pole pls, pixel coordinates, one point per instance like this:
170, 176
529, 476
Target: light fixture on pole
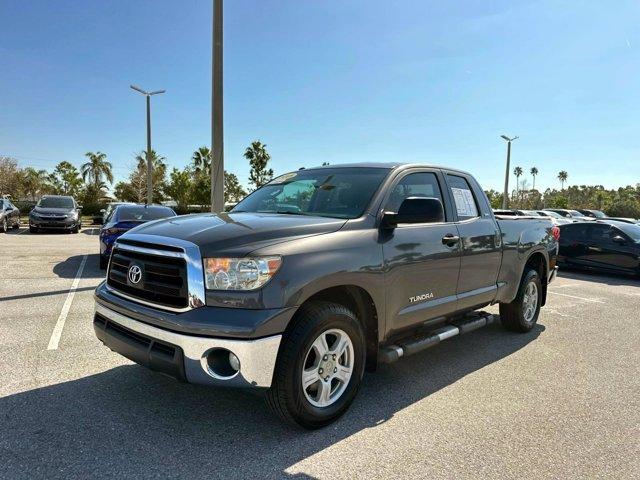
505, 194
149, 164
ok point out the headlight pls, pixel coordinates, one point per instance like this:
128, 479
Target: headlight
73, 215
239, 273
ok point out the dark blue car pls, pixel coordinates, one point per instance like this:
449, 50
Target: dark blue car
122, 219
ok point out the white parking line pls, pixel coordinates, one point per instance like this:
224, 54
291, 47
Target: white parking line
57, 330
579, 298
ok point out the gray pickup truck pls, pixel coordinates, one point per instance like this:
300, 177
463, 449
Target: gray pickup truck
318, 275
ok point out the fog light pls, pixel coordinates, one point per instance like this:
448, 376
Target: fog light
222, 364
234, 362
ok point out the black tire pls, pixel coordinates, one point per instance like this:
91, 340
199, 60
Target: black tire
16, 225
286, 397
512, 315
33, 229
3, 226
103, 262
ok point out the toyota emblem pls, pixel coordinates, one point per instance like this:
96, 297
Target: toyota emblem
135, 274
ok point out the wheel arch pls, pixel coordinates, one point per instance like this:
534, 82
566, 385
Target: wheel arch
538, 262
361, 303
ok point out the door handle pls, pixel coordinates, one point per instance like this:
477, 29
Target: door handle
450, 240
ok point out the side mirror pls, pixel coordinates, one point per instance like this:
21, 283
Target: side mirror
8, 209
620, 240
415, 210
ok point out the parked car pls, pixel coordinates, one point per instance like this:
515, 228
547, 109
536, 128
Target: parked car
556, 218
624, 219
55, 212
123, 218
317, 275
592, 213
9, 215
519, 213
605, 245
566, 213
105, 212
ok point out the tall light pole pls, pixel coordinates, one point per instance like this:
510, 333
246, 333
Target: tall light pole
149, 163
505, 195
217, 147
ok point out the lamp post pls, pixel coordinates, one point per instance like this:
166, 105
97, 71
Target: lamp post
505, 194
149, 165
217, 160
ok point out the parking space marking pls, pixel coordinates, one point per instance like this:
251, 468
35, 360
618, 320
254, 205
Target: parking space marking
574, 296
57, 330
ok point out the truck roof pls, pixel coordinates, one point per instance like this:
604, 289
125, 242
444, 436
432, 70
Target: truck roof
387, 165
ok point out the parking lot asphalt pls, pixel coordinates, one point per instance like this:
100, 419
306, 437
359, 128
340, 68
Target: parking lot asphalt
560, 402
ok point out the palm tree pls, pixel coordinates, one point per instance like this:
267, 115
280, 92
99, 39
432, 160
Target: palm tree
534, 172
202, 161
562, 176
518, 173
258, 158
96, 169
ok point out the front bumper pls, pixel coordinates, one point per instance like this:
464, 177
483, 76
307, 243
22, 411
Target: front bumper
552, 274
66, 224
185, 356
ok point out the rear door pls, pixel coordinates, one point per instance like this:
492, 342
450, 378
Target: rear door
422, 261
574, 245
481, 242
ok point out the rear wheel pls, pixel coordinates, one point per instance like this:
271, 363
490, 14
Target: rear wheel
3, 226
522, 314
33, 229
320, 366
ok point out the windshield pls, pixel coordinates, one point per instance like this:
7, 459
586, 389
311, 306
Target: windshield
142, 213
632, 230
549, 213
327, 192
576, 213
598, 214
56, 202
533, 213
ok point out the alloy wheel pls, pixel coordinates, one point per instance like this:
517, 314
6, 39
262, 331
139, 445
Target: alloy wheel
328, 367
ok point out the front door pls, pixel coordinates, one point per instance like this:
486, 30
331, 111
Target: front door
604, 252
422, 261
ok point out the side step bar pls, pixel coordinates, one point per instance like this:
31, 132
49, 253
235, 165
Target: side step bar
392, 353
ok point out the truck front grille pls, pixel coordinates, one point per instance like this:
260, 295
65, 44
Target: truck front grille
163, 279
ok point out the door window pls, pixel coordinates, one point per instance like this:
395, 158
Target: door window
414, 185
600, 234
465, 202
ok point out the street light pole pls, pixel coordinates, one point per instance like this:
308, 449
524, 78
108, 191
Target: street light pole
505, 194
149, 163
217, 147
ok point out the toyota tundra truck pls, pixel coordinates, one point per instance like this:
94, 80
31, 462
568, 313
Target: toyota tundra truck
319, 275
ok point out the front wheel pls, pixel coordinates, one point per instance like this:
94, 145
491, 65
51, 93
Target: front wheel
3, 226
522, 314
320, 366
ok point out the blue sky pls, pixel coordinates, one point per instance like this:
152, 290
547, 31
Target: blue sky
336, 81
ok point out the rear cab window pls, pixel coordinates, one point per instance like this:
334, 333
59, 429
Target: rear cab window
464, 200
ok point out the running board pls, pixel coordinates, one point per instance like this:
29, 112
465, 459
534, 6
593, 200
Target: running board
392, 353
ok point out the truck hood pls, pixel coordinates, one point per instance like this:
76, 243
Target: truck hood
237, 233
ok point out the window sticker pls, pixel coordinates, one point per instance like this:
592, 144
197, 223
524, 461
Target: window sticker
465, 204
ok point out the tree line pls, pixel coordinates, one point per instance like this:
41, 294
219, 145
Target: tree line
189, 187
620, 202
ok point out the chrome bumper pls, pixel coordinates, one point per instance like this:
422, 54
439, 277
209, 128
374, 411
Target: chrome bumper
257, 357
